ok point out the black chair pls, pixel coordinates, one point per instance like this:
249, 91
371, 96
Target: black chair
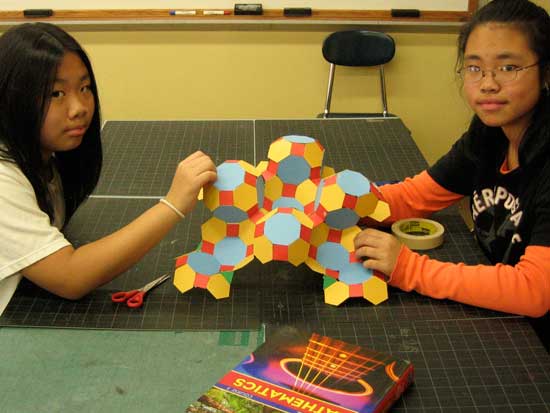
357, 48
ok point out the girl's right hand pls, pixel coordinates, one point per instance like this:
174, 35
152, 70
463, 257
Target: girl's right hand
378, 250
192, 174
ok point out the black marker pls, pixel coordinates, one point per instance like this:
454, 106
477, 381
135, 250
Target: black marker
405, 13
254, 9
38, 13
297, 11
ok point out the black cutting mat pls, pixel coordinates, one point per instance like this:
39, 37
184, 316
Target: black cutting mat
461, 365
356, 144
164, 308
303, 302
382, 150
140, 158
466, 358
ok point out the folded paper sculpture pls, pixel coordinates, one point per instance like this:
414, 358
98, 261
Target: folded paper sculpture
289, 208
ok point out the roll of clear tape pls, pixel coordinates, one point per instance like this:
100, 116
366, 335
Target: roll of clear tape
418, 233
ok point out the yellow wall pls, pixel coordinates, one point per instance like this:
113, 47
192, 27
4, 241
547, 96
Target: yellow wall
200, 74
273, 72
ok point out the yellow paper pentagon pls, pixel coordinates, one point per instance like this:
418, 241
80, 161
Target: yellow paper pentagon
279, 150
249, 168
327, 171
337, 293
200, 196
245, 197
375, 290
218, 286
366, 205
302, 218
297, 252
184, 278
214, 230
319, 234
211, 197
261, 167
314, 154
266, 216
381, 212
273, 189
348, 235
314, 265
246, 231
332, 197
243, 262
306, 192
263, 249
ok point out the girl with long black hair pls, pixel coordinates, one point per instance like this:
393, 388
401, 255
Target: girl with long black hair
50, 161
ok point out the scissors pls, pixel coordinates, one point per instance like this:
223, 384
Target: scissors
134, 298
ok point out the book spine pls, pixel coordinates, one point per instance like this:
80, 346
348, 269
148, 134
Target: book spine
396, 391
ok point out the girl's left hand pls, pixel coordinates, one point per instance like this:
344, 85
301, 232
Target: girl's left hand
379, 250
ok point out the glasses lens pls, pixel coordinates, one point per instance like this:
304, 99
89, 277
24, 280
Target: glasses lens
505, 76
469, 75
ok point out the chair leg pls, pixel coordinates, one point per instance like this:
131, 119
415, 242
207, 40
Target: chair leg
329, 90
383, 92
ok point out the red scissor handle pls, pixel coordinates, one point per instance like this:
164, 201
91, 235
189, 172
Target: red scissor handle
136, 300
122, 296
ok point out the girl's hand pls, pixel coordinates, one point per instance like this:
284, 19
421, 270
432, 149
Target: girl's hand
379, 250
192, 174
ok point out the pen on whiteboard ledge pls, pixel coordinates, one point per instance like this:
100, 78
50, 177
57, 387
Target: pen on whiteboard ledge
216, 12
183, 12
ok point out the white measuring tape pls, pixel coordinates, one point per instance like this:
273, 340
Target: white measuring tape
418, 233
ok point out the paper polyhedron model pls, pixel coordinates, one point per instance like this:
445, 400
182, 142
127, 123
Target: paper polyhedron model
289, 208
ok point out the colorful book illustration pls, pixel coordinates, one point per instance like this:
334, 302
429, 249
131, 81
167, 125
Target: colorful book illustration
318, 374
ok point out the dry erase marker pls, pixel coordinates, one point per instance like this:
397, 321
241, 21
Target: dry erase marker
38, 12
183, 12
216, 12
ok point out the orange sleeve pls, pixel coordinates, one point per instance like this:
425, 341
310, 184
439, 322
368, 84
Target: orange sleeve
416, 197
521, 289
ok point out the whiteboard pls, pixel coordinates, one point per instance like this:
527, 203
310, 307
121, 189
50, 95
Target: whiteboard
425, 5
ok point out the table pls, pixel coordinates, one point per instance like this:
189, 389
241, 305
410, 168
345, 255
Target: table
466, 358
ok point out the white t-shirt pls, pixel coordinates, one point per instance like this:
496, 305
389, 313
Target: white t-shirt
26, 234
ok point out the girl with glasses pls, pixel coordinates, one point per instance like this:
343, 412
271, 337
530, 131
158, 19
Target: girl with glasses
502, 162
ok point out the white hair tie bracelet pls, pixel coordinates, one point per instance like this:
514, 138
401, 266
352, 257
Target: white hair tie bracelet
172, 207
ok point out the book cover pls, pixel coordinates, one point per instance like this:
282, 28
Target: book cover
308, 374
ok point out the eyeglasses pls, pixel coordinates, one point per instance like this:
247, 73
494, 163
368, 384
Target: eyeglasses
502, 74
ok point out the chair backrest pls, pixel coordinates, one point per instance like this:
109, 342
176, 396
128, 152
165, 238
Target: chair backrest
358, 48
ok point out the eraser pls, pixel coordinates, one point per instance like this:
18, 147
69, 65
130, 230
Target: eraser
38, 12
248, 9
405, 13
297, 11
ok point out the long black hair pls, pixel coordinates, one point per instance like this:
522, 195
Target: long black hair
30, 55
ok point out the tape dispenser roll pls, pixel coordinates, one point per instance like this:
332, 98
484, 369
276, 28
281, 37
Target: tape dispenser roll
418, 233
